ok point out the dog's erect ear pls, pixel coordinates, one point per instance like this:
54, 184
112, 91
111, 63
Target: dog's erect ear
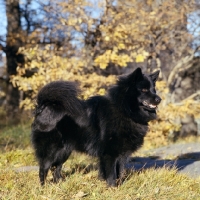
136, 75
154, 76
46, 119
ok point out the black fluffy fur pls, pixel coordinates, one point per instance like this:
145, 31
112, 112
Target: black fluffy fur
110, 127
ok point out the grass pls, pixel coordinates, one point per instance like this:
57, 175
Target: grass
15, 137
150, 184
81, 180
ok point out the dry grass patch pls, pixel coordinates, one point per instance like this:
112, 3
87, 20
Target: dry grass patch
149, 184
81, 180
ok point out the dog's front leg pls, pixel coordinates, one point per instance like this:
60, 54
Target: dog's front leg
43, 174
108, 169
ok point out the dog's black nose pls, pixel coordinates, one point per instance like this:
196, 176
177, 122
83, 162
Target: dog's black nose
158, 99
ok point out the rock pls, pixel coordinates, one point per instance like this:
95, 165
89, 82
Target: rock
188, 129
186, 83
187, 119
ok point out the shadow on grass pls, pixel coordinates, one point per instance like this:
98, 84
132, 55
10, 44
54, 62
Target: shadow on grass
188, 163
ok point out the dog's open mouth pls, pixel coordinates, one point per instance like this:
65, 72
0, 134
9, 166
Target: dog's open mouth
149, 106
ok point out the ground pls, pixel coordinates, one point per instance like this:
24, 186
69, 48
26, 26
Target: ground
185, 157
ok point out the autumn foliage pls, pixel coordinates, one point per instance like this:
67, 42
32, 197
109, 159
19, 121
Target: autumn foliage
117, 33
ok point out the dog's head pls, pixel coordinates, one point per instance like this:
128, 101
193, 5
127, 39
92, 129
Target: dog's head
140, 96
146, 93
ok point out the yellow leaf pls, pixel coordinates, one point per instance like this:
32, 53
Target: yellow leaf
139, 58
102, 91
121, 46
107, 38
103, 65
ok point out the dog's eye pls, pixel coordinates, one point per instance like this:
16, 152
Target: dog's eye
144, 90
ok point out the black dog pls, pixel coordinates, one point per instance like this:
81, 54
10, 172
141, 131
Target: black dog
110, 127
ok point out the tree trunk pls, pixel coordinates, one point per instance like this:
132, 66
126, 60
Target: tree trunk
13, 42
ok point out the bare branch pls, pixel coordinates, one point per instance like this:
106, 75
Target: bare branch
192, 96
188, 98
182, 65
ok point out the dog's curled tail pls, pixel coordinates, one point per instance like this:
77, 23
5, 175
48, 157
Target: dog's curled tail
56, 100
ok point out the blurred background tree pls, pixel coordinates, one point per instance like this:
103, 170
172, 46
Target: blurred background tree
90, 41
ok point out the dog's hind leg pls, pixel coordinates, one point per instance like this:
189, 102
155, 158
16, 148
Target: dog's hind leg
56, 172
102, 172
